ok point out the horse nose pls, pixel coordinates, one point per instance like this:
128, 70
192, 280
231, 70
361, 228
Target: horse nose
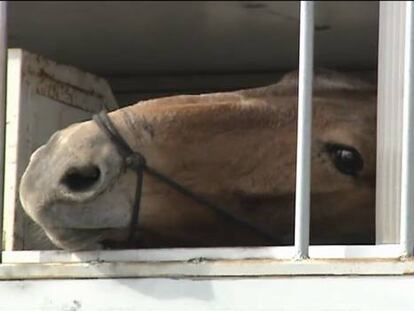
78, 179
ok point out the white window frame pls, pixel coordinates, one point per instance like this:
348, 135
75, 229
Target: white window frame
300, 259
389, 120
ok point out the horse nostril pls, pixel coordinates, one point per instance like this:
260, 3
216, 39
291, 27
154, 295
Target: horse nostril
78, 179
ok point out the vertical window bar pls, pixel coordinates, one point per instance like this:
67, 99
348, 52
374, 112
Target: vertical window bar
389, 120
407, 168
303, 158
3, 66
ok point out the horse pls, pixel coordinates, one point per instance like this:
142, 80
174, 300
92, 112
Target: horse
236, 149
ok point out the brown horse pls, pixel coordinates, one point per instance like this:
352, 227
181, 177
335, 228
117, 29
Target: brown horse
235, 148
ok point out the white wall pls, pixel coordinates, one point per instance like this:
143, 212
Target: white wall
266, 294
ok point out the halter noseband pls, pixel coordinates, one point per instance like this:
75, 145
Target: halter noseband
136, 161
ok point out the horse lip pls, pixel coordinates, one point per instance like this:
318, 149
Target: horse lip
89, 215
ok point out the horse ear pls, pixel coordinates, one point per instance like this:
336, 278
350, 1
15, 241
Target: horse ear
288, 81
325, 79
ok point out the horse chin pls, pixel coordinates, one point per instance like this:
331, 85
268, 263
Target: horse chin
70, 239
75, 239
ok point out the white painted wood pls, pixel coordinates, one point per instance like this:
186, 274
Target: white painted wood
276, 294
389, 120
3, 70
194, 254
207, 268
42, 97
407, 167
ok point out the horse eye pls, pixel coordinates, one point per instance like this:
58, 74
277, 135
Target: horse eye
346, 159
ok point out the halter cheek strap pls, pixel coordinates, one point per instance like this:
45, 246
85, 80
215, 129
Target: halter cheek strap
137, 162
133, 160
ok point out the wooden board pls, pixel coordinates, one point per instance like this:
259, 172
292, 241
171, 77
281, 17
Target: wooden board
42, 97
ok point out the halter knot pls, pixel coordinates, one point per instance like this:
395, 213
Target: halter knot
136, 161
